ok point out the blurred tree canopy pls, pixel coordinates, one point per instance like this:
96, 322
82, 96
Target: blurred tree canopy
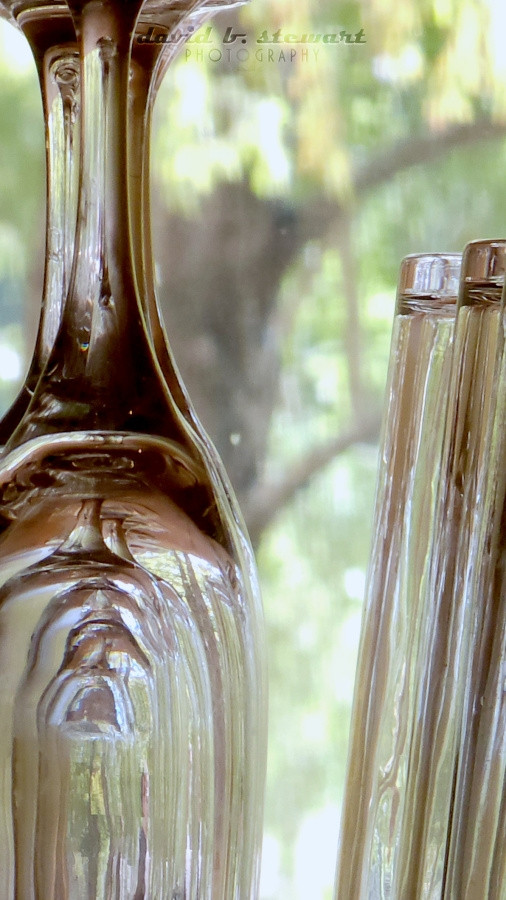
293, 168
305, 165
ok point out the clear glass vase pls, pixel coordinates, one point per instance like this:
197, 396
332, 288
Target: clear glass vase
131, 631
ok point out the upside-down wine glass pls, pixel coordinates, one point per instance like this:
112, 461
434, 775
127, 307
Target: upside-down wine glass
168, 18
131, 626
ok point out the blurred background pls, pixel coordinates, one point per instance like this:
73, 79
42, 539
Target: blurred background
290, 177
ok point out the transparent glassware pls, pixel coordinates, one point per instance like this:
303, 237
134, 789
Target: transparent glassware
385, 695
476, 854
446, 639
136, 682
56, 58
149, 63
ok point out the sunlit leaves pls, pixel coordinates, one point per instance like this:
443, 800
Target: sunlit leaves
219, 136
22, 143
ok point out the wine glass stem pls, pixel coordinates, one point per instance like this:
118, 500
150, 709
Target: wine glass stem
102, 319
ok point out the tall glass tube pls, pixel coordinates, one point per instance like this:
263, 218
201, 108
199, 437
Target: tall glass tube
420, 869
476, 856
384, 702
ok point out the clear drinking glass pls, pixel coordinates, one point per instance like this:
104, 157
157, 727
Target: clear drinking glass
131, 632
385, 694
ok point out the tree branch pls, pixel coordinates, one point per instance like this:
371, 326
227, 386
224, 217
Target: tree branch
386, 164
353, 336
267, 499
323, 211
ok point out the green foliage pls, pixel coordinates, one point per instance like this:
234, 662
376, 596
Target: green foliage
21, 205
21, 155
310, 562
436, 208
